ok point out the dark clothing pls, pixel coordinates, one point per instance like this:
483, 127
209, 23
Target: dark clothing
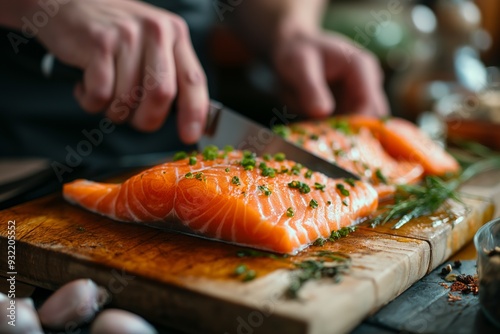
40, 117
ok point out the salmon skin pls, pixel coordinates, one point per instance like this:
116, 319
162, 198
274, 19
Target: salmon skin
384, 152
271, 204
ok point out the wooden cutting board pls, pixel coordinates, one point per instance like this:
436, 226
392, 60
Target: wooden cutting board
188, 283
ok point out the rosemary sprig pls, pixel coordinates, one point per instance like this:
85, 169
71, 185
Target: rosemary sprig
329, 265
413, 201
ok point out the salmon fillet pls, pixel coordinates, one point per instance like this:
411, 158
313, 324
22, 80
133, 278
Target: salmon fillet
383, 152
404, 141
270, 204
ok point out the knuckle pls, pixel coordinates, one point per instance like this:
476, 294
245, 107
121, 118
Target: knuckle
163, 92
370, 61
179, 26
194, 77
98, 98
149, 122
103, 40
154, 28
129, 33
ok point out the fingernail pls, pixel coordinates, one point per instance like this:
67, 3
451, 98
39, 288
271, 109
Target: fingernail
193, 132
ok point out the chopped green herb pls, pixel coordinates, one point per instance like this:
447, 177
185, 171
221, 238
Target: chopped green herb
235, 180
249, 275
329, 202
319, 242
308, 174
302, 187
279, 157
269, 171
228, 148
241, 269
267, 157
319, 186
343, 232
345, 203
341, 125
342, 189
281, 130
313, 203
198, 176
180, 155
351, 182
296, 169
290, 212
314, 137
283, 170
380, 176
227, 170
192, 160
248, 160
265, 190
210, 152
339, 152
245, 273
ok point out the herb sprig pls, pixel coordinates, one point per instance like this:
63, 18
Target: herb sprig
324, 264
412, 201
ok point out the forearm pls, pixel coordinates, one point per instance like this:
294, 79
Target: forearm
12, 11
263, 22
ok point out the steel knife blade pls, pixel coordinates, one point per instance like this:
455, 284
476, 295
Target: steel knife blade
227, 127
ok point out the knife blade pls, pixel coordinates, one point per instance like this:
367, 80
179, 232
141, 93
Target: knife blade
226, 127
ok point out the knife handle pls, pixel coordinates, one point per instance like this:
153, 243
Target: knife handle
52, 67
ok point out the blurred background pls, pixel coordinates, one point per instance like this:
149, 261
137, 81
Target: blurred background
437, 55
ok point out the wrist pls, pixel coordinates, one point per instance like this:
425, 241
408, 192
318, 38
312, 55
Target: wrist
301, 20
12, 12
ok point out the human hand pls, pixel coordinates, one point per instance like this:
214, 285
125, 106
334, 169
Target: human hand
136, 59
322, 72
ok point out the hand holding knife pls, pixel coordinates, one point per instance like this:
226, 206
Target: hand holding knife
226, 127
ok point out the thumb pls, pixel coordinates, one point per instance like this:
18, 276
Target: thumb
302, 71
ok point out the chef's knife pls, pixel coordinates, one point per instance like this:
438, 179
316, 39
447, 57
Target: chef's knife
226, 127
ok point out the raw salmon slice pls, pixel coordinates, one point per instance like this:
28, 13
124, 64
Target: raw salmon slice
404, 141
271, 204
357, 150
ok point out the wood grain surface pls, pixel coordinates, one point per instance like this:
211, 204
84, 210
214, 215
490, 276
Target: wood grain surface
188, 283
